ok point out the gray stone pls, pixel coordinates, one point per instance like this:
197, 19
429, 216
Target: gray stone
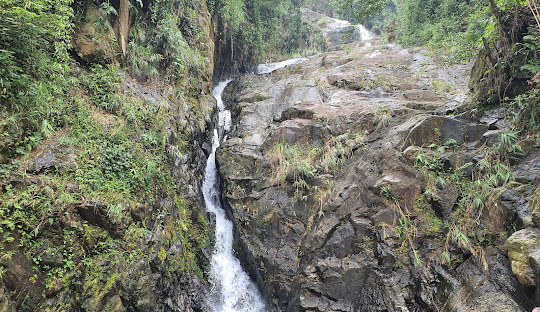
528, 170
385, 216
361, 225
341, 242
492, 136
448, 196
53, 157
439, 130
517, 205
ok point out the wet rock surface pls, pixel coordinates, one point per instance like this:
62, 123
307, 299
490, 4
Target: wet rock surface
340, 249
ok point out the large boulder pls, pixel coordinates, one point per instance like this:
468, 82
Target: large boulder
441, 129
94, 42
524, 253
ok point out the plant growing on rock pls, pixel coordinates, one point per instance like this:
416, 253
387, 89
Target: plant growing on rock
383, 116
473, 189
297, 164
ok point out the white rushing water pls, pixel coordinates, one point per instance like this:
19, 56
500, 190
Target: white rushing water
336, 25
225, 121
267, 68
232, 289
364, 33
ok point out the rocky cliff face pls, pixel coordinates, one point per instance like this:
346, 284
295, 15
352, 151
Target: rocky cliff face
336, 206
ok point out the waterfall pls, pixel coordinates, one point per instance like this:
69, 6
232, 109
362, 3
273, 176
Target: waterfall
231, 288
263, 69
364, 33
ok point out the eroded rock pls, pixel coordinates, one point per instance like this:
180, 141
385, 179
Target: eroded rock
94, 42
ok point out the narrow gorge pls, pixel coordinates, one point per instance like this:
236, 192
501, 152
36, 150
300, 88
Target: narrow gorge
261, 156
231, 288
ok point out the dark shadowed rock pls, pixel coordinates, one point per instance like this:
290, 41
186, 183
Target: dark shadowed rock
96, 213
53, 157
528, 170
297, 112
299, 131
516, 203
341, 242
444, 206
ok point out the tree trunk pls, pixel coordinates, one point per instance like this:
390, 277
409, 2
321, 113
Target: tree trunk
123, 19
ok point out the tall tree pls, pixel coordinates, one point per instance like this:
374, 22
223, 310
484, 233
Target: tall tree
361, 10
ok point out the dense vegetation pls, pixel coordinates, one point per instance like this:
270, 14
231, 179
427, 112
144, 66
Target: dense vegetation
275, 29
453, 27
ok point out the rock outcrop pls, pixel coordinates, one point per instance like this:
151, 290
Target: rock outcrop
321, 179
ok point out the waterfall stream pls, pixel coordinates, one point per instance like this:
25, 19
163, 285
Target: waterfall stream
231, 288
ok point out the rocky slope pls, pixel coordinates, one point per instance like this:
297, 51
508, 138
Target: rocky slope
337, 208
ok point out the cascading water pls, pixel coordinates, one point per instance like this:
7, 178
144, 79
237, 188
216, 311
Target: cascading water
264, 69
232, 289
365, 34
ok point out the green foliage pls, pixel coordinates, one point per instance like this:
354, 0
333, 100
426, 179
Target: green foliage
114, 142
361, 10
274, 29
383, 116
105, 9
298, 164
233, 11
167, 39
325, 7
507, 145
34, 38
451, 26
142, 61
452, 29
473, 184
531, 48
114, 159
102, 87
525, 110
442, 87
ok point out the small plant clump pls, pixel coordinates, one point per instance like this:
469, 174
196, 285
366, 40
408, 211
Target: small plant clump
473, 184
383, 116
297, 164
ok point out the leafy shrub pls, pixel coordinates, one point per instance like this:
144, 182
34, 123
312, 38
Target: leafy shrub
114, 160
34, 38
531, 46
383, 115
102, 86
